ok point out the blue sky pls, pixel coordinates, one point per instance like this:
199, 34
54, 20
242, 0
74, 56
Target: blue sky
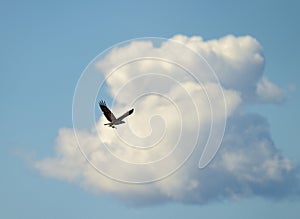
45, 46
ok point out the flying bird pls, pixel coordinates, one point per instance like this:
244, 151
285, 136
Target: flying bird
111, 117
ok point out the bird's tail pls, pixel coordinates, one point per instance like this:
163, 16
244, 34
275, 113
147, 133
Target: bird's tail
110, 125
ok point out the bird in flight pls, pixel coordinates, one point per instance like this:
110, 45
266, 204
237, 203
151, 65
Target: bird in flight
113, 121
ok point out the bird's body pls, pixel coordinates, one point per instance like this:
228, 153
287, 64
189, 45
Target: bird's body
111, 117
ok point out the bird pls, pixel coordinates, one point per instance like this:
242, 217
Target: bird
113, 121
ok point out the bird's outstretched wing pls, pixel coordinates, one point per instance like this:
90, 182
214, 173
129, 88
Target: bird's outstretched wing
125, 115
107, 113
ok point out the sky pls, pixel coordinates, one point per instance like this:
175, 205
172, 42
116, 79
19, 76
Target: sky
45, 48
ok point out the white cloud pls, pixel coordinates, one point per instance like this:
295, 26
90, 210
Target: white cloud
269, 92
238, 61
172, 122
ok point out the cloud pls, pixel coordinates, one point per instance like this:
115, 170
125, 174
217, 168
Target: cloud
269, 92
179, 115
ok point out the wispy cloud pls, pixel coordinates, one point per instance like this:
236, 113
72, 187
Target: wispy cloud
162, 142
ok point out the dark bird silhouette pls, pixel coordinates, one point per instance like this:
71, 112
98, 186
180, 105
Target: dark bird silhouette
111, 117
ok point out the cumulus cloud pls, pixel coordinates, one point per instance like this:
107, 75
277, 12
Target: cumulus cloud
269, 92
179, 103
